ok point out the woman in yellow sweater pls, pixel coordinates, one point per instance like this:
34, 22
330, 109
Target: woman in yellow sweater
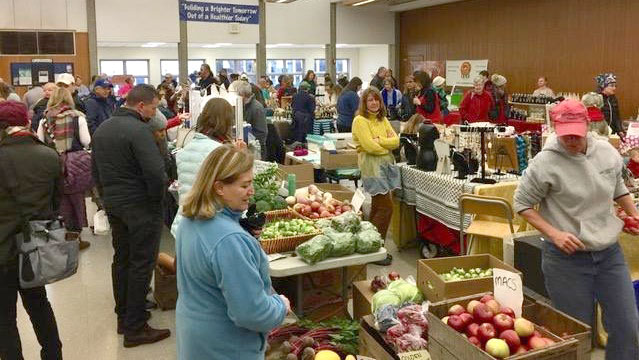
376, 139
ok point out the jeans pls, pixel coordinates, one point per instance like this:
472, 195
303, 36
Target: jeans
575, 281
37, 305
136, 232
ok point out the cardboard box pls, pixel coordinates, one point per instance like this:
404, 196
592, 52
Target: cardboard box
362, 299
371, 343
436, 289
447, 344
343, 159
339, 192
304, 173
559, 324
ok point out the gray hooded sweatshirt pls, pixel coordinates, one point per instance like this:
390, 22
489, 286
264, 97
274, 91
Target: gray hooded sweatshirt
575, 193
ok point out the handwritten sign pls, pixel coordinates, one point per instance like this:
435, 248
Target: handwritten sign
414, 355
220, 13
509, 290
358, 200
633, 129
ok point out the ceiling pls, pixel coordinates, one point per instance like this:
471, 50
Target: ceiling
393, 5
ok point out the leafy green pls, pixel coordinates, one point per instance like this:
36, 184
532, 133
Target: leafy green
346, 336
368, 241
315, 250
262, 206
343, 244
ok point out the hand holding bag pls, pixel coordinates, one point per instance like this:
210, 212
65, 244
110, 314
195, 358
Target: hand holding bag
44, 254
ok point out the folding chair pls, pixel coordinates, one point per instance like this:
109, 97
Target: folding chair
493, 217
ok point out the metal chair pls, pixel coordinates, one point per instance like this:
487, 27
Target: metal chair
493, 217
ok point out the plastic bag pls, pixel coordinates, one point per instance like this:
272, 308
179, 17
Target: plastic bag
367, 225
315, 250
101, 224
368, 241
347, 222
323, 223
384, 297
343, 244
410, 342
413, 315
386, 317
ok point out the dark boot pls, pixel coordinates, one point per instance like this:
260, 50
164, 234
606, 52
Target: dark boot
386, 262
146, 335
75, 236
121, 322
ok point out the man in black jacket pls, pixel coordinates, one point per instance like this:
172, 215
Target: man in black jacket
378, 79
607, 87
36, 169
129, 171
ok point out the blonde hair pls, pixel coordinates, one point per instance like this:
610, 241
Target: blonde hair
413, 124
60, 96
225, 164
478, 80
363, 108
216, 119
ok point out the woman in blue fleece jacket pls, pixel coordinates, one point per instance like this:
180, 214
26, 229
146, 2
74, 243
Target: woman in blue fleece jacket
226, 306
347, 105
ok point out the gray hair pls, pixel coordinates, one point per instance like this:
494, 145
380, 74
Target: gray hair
478, 80
244, 89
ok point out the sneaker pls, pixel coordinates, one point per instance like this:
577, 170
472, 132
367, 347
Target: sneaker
121, 322
386, 262
146, 335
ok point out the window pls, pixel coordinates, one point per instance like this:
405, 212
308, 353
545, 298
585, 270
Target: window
292, 67
237, 66
173, 67
139, 69
37, 42
341, 66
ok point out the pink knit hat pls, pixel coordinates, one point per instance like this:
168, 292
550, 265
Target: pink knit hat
570, 118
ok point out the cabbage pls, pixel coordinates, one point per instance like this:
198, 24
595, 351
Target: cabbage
384, 297
368, 241
405, 291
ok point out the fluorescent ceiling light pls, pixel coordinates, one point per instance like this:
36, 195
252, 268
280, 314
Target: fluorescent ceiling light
280, 1
216, 45
363, 2
153, 44
341, 45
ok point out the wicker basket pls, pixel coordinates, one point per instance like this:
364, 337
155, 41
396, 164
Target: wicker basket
288, 243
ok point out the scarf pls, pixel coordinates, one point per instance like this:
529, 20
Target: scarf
59, 129
385, 96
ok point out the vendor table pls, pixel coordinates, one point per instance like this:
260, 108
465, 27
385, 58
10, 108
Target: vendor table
295, 266
312, 158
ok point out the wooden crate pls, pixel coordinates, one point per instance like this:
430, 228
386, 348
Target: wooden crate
448, 344
559, 323
371, 343
362, 298
436, 289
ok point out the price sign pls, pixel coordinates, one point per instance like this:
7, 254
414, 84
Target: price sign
358, 200
633, 129
509, 290
414, 355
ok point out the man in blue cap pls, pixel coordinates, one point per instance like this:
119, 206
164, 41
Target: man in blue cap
99, 106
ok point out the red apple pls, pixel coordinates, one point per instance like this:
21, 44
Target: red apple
503, 322
456, 322
497, 348
523, 327
472, 330
456, 310
486, 298
474, 340
512, 339
522, 349
493, 305
315, 205
486, 332
394, 275
471, 306
325, 214
467, 318
482, 313
508, 311
536, 342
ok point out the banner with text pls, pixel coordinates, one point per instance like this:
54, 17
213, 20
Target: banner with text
222, 13
462, 72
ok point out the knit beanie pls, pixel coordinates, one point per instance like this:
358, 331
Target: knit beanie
13, 113
605, 79
498, 80
157, 122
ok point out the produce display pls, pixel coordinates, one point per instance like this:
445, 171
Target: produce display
410, 333
266, 185
494, 328
342, 236
380, 282
288, 227
457, 274
333, 339
315, 204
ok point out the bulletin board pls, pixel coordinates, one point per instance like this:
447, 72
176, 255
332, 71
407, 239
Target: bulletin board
37, 73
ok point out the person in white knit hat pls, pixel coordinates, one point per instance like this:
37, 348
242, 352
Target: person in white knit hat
439, 85
501, 108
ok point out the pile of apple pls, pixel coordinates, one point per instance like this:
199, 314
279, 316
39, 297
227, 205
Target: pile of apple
630, 224
314, 203
494, 328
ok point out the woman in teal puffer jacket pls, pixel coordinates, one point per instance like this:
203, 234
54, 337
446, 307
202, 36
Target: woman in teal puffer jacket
214, 128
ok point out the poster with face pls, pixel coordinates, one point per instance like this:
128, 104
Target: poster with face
462, 72
433, 68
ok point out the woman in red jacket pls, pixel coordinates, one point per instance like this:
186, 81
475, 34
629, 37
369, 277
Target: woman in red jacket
427, 101
476, 103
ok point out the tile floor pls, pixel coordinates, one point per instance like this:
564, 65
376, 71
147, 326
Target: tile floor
83, 305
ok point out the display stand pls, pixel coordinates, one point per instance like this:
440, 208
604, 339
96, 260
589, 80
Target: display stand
482, 130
